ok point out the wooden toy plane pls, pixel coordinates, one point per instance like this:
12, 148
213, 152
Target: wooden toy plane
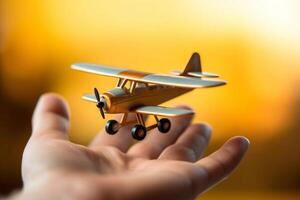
142, 92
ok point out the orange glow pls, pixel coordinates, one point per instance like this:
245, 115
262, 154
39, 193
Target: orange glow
251, 46
254, 45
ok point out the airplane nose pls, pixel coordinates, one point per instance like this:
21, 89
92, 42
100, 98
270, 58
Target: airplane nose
102, 103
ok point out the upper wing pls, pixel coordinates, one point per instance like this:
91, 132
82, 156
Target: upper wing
162, 79
98, 69
163, 111
181, 81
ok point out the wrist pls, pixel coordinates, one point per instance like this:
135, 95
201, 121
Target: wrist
66, 185
46, 186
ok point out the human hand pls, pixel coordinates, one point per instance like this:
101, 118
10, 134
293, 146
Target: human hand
162, 166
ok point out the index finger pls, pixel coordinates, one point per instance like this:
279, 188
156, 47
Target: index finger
221, 163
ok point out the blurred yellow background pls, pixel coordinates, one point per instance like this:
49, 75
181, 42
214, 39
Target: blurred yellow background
254, 45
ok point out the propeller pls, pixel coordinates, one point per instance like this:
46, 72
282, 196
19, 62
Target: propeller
100, 104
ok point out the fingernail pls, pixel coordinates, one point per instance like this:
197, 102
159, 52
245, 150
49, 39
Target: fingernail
245, 142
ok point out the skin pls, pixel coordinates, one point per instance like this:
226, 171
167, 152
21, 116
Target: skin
162, 166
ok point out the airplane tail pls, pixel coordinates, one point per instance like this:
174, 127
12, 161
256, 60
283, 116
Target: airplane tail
194, 69
194, 64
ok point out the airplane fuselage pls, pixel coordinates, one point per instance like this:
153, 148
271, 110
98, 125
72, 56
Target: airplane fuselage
120, 100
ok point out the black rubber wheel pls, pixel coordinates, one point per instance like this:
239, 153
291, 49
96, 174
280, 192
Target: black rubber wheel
164, 125
139, 132
112, 127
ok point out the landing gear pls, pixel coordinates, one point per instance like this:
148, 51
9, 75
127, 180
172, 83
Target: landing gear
112, 127
138, 132
164, 125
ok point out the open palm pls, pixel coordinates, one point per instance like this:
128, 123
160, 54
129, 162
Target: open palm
162, 166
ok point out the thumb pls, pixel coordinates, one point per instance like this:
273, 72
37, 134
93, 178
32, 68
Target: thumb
51, 116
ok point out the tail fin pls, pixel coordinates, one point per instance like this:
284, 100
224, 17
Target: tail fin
194, 64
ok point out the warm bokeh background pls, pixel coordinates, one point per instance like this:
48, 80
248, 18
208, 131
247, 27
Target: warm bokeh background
254, 45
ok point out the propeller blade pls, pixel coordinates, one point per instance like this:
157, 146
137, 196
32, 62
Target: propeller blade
100, 104
97, 94
102, 112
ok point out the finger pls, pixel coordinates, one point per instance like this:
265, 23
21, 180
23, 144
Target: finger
221, 163
190, 145
156, 142
122, 140
51, 117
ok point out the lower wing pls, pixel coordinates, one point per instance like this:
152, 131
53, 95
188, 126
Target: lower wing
151, 110
163, 111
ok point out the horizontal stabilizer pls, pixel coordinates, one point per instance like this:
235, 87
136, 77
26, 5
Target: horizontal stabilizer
203, 74
197, 74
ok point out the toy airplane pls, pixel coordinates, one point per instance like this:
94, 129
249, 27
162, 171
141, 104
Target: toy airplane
142, 92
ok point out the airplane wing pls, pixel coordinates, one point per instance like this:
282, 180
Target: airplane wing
98, 69
162, 79
90, 97
163, 111
150, 110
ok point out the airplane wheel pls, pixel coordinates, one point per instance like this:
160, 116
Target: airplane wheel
112, 127
164, 125
138, 132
